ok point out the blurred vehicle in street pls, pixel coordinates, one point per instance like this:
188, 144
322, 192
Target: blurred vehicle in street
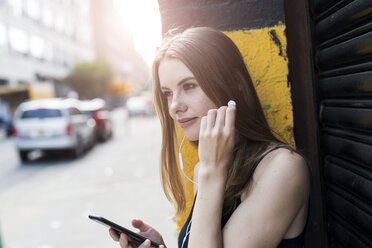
140, 105
52, 125
97, 109
5, 118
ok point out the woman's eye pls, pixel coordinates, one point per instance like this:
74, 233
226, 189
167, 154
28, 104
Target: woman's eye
188, 86
167, 93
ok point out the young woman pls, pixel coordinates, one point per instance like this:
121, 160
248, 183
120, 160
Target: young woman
251, 190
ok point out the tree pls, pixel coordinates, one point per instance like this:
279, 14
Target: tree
91, 79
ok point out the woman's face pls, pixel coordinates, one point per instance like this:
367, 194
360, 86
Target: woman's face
187, 102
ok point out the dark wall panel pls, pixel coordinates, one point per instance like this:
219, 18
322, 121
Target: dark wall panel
346, 18
344, 237
351, 179
347, 86
355, 50
347, 208
343, 68
348, 149
359, 119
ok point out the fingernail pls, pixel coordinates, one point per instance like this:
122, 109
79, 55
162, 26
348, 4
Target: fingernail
231, 103
147, 242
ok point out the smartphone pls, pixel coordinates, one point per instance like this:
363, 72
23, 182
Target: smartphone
137, 239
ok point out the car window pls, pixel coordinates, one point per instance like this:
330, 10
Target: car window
74, 111
88, 112
41, 113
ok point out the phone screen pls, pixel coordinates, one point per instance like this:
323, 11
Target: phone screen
136, 238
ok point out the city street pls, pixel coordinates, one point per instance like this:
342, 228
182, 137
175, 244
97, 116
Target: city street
45, 203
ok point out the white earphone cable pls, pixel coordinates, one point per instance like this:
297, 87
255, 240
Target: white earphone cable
181, 160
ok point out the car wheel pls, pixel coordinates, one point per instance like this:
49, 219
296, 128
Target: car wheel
92, 142
100, 137
77, 150
23, 155
107, 137
110, 134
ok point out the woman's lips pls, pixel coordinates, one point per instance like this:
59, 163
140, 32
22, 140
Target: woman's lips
185, 122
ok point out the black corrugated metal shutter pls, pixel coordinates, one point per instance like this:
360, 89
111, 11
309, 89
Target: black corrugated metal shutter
343, 45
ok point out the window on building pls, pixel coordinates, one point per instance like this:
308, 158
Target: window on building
22, 81
18, 40
60, 23
48, 51
47, 16
33, 9
58, 56
3, 35
16, 7
3, 82
69, 26
37, 47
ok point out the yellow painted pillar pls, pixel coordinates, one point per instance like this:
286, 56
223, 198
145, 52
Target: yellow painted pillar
264, 53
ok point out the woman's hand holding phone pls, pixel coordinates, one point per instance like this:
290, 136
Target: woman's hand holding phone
144, 230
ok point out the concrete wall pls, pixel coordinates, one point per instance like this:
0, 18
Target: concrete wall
258, 29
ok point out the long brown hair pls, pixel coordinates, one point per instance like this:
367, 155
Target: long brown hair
221, 72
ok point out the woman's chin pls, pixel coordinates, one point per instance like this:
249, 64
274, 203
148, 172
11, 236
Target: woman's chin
192, 137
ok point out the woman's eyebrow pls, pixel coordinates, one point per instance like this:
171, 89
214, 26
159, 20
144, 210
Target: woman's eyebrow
184, 80
179, 83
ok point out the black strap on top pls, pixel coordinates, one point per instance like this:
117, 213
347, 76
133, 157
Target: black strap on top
268, 151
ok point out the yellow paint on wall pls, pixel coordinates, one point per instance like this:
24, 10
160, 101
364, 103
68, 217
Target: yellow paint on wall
264, 52
190, 159
269, 72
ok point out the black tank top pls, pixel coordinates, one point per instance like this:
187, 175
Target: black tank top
183, 238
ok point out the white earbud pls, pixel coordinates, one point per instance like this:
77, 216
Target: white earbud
181, 160
231, 103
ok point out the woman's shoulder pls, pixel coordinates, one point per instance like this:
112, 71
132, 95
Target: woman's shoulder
282, 166
281, 158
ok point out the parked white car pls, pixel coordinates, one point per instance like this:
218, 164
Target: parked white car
52, 124
140, 105
97, 109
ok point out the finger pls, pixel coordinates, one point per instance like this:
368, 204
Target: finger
124, 243
139, 224
211, 118
220, 119
230, 117
203, 124
114, 234
145, 244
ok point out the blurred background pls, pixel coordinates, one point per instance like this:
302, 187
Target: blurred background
78, 129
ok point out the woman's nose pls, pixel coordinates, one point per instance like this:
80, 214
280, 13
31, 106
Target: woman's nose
178, 104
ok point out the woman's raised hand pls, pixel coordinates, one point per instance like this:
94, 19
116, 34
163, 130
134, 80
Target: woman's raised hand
216, 139
144, 230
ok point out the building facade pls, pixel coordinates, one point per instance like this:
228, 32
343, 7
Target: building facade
42, 40
113, 40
